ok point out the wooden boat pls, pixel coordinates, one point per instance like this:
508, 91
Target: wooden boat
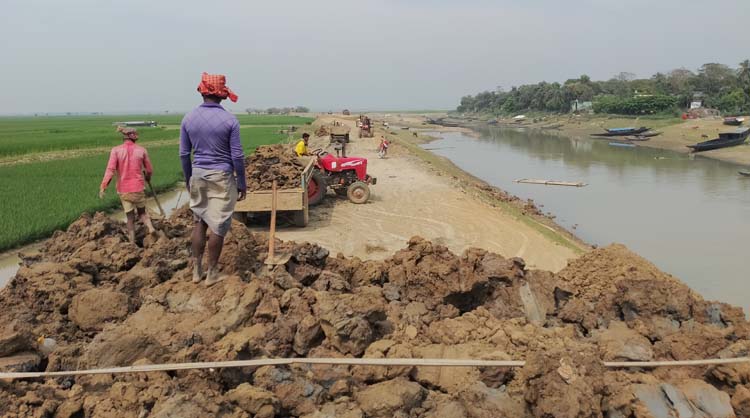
621, 144
725, 139
637, 138
622, 131
551, 182
733, 121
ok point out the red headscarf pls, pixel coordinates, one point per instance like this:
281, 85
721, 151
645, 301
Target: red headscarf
215, 85
129, 133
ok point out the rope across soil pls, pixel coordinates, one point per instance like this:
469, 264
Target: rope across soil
353, 362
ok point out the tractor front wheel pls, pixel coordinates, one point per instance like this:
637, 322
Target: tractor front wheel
358, 192
316, 189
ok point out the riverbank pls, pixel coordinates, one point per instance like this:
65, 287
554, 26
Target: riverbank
645, 198
676, 134
418, 193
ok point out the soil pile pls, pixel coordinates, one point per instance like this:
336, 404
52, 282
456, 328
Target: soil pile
273, 162
323, 130
107, 302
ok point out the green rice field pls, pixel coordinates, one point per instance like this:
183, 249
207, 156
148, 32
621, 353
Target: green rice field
27, 135
37, 198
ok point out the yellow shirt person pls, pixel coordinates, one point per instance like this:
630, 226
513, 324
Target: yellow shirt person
301, 148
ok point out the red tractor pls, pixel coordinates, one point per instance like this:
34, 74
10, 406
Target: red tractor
346, 176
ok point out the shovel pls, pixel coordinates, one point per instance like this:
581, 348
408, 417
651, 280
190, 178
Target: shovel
274, 259
156, 199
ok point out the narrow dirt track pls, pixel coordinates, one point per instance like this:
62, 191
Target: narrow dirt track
410, 199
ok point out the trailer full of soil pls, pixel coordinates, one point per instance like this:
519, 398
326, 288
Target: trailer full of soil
277, 163
106, 302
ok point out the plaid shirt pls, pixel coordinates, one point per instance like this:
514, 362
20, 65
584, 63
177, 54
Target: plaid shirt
213, 136
128, 160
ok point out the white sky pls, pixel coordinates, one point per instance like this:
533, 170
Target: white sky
139, 55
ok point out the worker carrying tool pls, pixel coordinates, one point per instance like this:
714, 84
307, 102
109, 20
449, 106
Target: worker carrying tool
216, 174
301, 147
134, 169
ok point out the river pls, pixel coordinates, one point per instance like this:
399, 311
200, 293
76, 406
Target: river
690, 217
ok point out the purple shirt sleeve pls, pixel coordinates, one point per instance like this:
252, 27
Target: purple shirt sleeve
238, 156
234, 141
185, 148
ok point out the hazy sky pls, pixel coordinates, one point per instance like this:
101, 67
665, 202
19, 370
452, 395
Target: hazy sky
138, 55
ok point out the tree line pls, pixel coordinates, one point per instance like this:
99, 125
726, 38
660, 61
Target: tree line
719, 86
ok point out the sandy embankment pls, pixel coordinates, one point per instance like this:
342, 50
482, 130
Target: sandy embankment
413, 198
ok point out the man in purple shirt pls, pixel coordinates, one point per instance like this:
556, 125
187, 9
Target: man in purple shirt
216, 175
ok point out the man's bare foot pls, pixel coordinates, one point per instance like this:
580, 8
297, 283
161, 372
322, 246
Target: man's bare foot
197, 271
214, 276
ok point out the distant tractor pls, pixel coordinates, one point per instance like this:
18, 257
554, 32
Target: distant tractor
340, 134
346, 112
365, 127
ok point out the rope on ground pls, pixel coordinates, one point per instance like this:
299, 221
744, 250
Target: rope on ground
351, 362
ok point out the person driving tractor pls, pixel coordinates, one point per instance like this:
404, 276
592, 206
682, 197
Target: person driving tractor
301, 147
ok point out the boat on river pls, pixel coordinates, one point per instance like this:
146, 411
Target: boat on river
622, 144
745, 173
725, 139
622, 131
643, 137
733, 121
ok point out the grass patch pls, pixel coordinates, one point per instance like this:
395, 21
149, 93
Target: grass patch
28, 135
38, 198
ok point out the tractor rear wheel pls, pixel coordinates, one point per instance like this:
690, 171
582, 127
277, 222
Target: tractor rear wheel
316, 188
358, 192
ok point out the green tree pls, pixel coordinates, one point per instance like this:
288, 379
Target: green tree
743, 78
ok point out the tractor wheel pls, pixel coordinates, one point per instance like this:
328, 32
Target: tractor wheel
316, 189
358, 192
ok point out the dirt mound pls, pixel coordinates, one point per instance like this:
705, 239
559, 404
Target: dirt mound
110, 303
273, 162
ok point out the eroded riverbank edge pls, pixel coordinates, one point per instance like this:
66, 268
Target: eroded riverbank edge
525, 211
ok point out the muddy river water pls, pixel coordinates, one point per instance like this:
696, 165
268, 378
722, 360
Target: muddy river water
691, 217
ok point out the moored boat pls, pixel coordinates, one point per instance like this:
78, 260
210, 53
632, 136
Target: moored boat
733, 121
745, 173
622, 131
725, 139
622, 144
642, 137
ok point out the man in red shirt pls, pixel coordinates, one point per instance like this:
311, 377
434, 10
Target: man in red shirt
129, 161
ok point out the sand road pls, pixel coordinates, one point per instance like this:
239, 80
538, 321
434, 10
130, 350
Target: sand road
410, 199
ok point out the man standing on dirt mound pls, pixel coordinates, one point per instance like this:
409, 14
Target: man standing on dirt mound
133, 168
216, 175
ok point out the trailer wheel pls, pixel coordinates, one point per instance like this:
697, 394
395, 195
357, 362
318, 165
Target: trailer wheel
241, 217
358, 192
300, 218
316, 188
